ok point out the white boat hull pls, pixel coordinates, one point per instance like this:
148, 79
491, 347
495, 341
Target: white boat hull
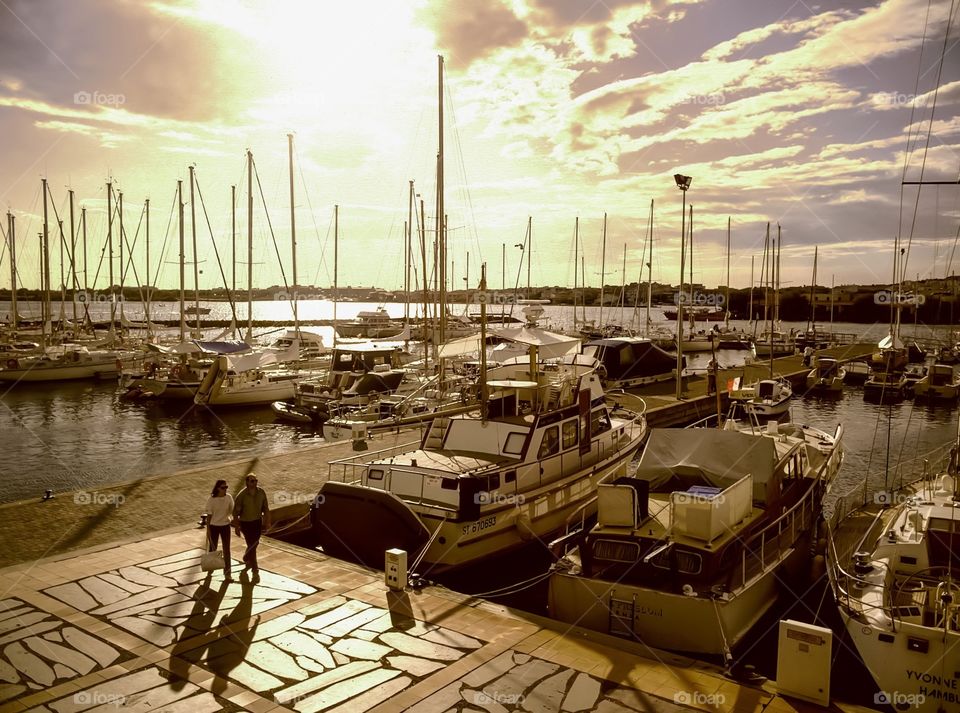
62, 372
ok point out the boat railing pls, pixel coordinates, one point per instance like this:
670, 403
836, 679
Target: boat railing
844, 583
352, 464
764, 549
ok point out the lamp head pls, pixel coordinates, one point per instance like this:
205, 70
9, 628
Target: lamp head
683, 182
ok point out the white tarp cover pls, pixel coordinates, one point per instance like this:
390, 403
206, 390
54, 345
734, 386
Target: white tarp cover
459, 347
549, 345
251, 360
676, 458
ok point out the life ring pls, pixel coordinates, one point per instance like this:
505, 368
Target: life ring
13, 364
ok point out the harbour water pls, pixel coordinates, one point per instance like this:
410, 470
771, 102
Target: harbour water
79, 435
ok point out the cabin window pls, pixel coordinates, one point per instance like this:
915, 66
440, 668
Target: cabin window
686, 562
569, 434
626, 357
617, 551
514, 443
375, 474
550, 443
599, 422
448, 483
510, 476
493, 482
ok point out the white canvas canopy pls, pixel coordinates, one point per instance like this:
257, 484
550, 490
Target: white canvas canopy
549, 344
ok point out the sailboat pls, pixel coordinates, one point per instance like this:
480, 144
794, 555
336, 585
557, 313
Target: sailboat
259, 377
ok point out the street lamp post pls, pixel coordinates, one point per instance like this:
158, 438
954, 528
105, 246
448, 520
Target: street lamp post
683, 183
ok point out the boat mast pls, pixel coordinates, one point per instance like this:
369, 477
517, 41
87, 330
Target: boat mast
441, 232
336, 258
11, 233
196, 258
183, 257
576, 255
146, 305
249, 336
113, 302
832, 285
63, 280
726, 313
813, 294
750, 313
650, 272
774, 315
529, 250
233, 247
426, 325
121, 263
83, 232
683, 245
483, 344
408, 257
73, 259
293, 245
603, 268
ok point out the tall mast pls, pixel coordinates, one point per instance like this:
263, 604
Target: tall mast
774, 314
576, 247
121, 263
63, 278
726, 317
776, 272
146, 305
113, 300
426, 326
183, 257
11, 235
233, 246
603, 269
813, 294
336, 260
408, 257
649, 273
441, 232
73, 259
196, 258
529, 250
83, 232
249, 336
293, 238
750, 308
832, 284
765, 273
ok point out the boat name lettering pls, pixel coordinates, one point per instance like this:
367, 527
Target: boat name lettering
938, 681
647, 611
480, 525
939, 695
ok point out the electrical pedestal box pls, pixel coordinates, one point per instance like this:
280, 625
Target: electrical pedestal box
803, 661
395, 569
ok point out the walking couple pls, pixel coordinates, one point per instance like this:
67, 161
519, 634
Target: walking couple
249, 514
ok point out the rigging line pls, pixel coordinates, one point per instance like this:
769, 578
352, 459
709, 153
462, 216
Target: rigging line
463, 168
216, 252
953, 251
323, 248
266, 212
313, 218
131, 265
926, 147
166, 236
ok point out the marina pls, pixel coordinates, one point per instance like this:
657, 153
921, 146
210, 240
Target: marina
378, 357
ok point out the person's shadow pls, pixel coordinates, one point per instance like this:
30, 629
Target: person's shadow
206, 607
234, 636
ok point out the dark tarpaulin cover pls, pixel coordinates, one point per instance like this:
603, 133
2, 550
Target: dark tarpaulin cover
677, 458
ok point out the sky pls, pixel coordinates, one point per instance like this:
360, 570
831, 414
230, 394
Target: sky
556, 113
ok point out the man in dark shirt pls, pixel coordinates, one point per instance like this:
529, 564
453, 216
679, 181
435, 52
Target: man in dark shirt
251, 514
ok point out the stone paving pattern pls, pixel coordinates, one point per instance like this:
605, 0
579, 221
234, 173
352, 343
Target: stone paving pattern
314, 634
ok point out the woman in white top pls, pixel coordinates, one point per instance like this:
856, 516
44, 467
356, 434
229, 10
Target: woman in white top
220, 511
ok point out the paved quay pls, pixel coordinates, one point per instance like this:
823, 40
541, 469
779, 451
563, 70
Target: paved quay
138, 626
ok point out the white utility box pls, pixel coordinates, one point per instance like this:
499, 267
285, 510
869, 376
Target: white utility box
803, 661
395, 569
